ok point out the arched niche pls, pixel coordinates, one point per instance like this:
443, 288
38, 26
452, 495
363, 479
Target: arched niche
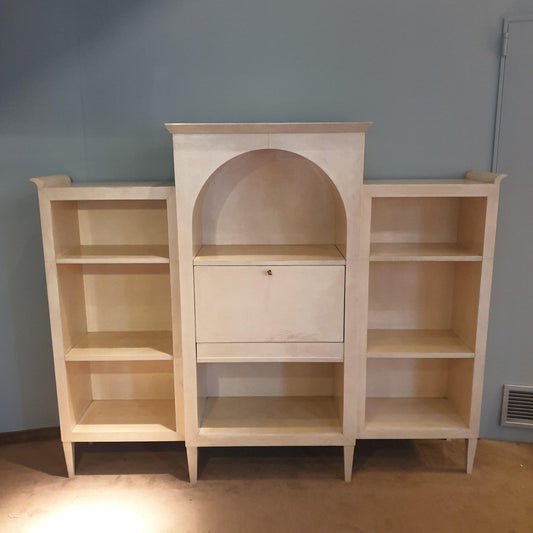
269, 196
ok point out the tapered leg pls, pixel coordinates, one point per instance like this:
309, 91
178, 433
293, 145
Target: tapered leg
192, 461
68, 450
471, 445
348, 462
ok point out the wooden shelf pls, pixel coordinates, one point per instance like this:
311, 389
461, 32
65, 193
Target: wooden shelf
108, 253
412, 418
235, 254
270, 415
414, 251
416, 343
122, 346
127, 420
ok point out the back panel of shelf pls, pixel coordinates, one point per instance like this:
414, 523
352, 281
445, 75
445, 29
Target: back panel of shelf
256, 199
407, 397
237, 397
423, 297
107, 230
122, 400
441, 228
102, 303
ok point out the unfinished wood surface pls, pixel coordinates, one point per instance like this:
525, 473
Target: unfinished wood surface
127, 297
411, 418
267, 379
70, 310
136, 380
460, 388
416, 343
122, 345
192, 463
466, 294
98, 191
269, 127
404, 378
348, 462
70, 457
127, 420
471, 445
242, 352
76, 394
128, 222
411, 295
57, 180
114, 253
107, 318
414, 220
257, 414
269, 303
328, 169
269, 255
412, 188
256, 198
422, 252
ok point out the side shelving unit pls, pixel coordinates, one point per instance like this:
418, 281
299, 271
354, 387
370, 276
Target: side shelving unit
430, 249
111, 269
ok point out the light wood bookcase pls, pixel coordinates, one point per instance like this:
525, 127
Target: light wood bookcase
110, 255
271, 297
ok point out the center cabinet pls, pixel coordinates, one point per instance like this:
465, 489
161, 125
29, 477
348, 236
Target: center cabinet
268, 249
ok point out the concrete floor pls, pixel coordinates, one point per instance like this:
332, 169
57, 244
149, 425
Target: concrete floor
411, 486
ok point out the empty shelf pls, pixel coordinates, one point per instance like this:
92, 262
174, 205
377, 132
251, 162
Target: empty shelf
320, 254
267, 414
125, 420
416, 343
115, 254
412, 418
122, 346
414, 251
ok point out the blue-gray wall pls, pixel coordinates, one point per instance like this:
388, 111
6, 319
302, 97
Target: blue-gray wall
85, 87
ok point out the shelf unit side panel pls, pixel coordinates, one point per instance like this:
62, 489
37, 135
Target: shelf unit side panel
177, 349
460, 382
471, 225
65, 225
72, 304
466, 301
79, 389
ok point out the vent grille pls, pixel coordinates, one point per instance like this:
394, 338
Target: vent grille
517, 406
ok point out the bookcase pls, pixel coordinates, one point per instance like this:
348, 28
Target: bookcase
111, 272
429, 248
268, 251
271, 297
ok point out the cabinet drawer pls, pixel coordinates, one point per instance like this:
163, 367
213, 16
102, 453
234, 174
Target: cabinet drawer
291, 304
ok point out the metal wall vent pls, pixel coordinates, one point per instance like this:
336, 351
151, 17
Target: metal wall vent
517, 406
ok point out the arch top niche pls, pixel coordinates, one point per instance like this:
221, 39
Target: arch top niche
268, 183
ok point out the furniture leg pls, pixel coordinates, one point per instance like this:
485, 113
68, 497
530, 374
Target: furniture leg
348, 462
192, 461
68, 450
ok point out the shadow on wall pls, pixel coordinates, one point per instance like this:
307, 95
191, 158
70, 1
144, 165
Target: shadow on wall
27, 338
